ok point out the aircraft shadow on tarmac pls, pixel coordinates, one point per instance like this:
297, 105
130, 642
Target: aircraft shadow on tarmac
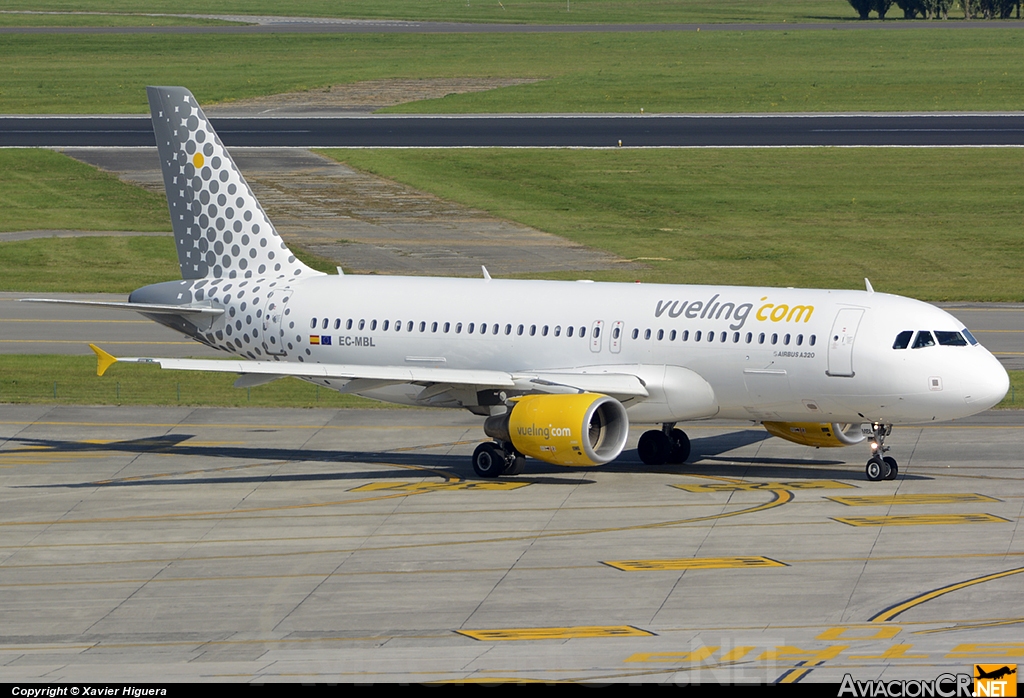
708, 460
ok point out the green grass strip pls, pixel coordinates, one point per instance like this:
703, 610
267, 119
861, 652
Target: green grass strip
527, 11
935, 224
44, 190
72, 380
727, 71
37, 19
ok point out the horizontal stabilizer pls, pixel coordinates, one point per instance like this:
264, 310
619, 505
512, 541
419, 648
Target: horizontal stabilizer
150, 308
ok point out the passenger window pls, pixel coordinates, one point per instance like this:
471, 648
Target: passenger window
903, 339
760, 338
813, 340
583, 332
799, 339
458, 328
373, 324
711, 336
749, 338
519, 330
508, 329
558, 330
775, 338
923, 339
615, 333
636, 333
723, 337
423, 326
569, 330
470, 328
324, 323
597, 332
312, 325
672, 336
337, 323
533, 330
661, 335
785, 340
494, 328
445, 327
544, 332
348, 324
408, 326
696, 336
950, 339
686, 335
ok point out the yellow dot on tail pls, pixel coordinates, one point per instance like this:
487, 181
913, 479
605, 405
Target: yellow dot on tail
198, 160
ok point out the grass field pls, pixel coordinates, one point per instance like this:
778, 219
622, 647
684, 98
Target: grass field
914, 69
937, 224
36, 19
72, 380
531, 11
44, 190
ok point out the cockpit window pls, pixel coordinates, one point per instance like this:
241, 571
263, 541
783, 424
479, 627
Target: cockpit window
970, 337
923, 339
950, 339
903, 340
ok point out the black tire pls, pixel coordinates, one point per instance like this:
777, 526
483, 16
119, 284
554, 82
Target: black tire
894, 469
876, 469
488, 460
654, 448
680, 446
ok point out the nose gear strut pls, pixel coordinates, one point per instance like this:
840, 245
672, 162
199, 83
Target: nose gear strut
880, 467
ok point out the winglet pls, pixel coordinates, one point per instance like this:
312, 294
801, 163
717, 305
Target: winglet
103, 360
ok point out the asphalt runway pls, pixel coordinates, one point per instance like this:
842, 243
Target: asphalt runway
542, 130
165, 544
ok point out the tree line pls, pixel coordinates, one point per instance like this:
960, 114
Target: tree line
939, 9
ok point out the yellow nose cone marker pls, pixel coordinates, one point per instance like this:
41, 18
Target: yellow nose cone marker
198, 160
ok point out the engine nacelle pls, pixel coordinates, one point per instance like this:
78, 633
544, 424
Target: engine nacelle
817, 434
578, 429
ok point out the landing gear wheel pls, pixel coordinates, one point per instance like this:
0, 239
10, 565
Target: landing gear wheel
488, 460
515, 464
680, 446
877, 469
893, 468
654, 448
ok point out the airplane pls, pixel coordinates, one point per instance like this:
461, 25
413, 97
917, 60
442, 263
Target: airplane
994, 674
557, 369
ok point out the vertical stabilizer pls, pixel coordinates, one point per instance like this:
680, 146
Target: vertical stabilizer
220, 229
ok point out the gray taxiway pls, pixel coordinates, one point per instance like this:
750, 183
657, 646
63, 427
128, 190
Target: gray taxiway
158, 544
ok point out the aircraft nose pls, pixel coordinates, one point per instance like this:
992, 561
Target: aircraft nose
986, 385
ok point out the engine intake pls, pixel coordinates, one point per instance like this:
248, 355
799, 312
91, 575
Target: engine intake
580, 429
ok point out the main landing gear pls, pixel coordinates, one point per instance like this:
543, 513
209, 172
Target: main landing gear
880, 467
491, 459
670, 445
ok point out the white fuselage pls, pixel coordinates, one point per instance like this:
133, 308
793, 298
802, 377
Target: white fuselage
769, 354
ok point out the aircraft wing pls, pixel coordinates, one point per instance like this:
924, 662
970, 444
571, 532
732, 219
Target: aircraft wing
363, 377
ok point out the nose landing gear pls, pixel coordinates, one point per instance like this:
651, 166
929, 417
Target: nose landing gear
880, 467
